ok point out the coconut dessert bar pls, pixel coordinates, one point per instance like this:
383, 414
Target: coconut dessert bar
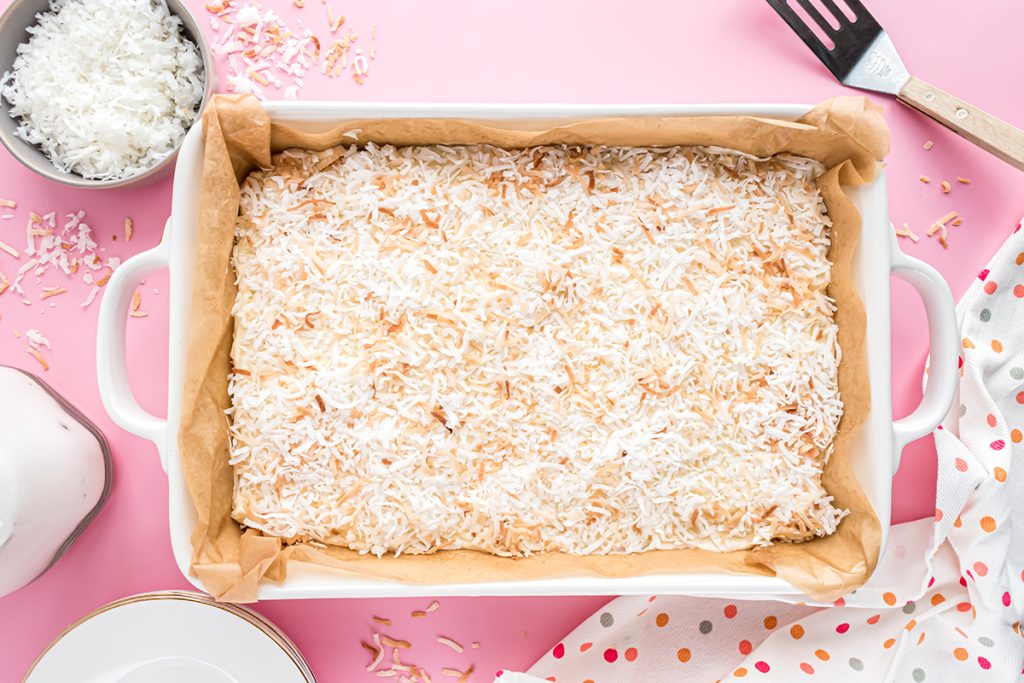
589, 350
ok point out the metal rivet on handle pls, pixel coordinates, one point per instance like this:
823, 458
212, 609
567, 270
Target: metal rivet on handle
961, 113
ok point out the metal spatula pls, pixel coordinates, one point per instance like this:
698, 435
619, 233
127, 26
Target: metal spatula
864, 57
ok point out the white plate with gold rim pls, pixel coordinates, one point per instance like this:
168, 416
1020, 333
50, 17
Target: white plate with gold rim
170, 637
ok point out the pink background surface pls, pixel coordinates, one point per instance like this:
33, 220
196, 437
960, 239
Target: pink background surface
529, 51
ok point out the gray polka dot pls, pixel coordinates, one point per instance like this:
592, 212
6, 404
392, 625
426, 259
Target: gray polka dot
856, 664
963, 410
918, 675
705, 627
909, 607
986, 315
1017, 373
987, 642
607, 619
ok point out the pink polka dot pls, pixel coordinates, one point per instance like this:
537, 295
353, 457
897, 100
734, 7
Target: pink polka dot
990, 287
983, 274
991, 419
969, 574
839, 603
630, 654
762, 666
729, 611
1020, 398
559, 651
931, 581
963, 582
980, 568
984, 663
997, 445
1018, 291
611, 654
499, 673
1006, 599
745, 647
961, 464
806, 668
842, 628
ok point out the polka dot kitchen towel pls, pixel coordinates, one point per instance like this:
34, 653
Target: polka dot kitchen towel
946, 601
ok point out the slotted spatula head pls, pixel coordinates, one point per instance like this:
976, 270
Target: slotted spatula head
863, 56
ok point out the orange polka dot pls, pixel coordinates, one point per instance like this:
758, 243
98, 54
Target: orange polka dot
938, 599
1000, 474
988, 524
1016, 436
740, 672
889, 598
589, 680
1018, 291
911, 624
968, 344
770, 622
960, 654
889, 643
683, 654
920, 638
980, 568
1020, 259
631, 654
958, 523
661, 620
963, 607
873, 619
586, 646
997, 346
990, 287
991, 419
822, 655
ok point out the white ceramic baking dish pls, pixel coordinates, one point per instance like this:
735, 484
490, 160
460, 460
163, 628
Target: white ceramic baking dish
876, 451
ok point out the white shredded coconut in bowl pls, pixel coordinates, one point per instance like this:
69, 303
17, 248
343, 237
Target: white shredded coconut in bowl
584, 350
105, 88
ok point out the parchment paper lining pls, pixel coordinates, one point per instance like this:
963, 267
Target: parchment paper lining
847, 134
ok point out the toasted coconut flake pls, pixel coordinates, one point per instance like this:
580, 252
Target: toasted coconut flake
382, 620
39, 357
925, 179
9, 249
963, 181
393, 642
945, 186
129, 229
928, 145
8, 203
445, 640
51, 292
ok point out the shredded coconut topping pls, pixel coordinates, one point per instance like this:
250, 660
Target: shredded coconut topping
106, 88
586, 350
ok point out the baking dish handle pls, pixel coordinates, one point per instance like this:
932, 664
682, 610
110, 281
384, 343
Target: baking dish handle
943, 337
111, 367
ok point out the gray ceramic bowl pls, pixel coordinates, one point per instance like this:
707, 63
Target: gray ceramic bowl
20, 15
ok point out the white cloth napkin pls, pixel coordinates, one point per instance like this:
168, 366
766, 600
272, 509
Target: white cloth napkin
946, 601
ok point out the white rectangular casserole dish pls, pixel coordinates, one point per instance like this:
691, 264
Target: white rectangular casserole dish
875, 452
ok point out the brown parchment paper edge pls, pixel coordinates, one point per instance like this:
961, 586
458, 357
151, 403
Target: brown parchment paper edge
847, 134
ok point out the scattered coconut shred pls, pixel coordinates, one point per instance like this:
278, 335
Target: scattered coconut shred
592, 351
106, 88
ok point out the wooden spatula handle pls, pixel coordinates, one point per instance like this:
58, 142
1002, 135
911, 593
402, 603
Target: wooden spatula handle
976, 125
